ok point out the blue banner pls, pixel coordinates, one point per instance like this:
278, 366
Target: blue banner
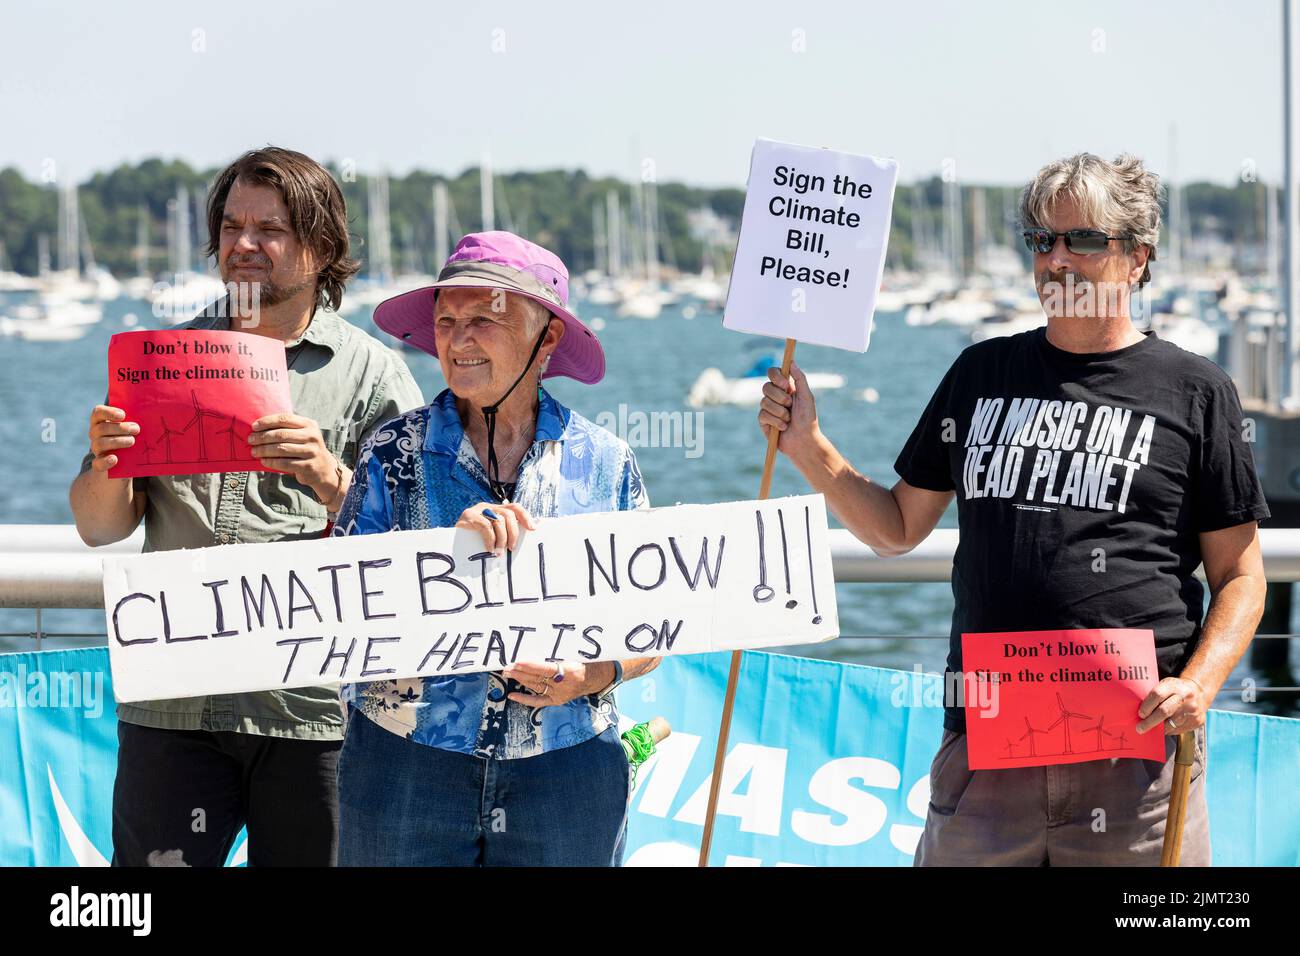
58, 756
827, 765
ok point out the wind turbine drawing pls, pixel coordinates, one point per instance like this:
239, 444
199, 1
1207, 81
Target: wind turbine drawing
1010, 748
199, 413
1030, 730
165, 440
1099, 726
229, 430
1065, 718
1122, 740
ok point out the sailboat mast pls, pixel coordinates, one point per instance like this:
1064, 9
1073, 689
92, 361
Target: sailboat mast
918, 240
142, 241
1271, 228
1175, 211
381, 243
978, 217
69, 230
183, 249
601, 263
614, 233
954, 227
486, 201
441, 243
650, 213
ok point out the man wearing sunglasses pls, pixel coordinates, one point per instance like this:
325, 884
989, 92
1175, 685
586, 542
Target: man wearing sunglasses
1095, 467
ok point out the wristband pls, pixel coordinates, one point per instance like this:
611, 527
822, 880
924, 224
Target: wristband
618, 679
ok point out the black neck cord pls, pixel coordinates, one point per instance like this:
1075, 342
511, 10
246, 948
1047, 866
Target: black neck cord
499, 489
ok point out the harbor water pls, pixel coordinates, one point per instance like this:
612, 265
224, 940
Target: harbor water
687, 455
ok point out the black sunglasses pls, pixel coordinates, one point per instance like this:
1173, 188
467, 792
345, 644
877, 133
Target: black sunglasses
1084, 242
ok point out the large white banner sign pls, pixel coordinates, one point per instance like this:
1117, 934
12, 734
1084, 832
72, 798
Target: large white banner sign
680, 580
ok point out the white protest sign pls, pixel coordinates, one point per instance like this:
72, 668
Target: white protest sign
812, 245
679, 580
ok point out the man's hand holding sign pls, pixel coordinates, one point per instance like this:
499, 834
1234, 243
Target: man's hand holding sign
294, 445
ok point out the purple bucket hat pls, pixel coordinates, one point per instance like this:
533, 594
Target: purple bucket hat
500, 260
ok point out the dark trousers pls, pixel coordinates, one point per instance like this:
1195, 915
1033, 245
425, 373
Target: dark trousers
181, 796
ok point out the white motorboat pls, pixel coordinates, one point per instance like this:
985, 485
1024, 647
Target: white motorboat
713, 387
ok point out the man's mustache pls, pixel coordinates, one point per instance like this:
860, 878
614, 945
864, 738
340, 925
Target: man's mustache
1061, 278
235, 261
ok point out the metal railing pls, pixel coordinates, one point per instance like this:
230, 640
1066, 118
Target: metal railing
48, 566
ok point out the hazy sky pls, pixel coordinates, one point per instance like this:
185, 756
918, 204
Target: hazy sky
998, 87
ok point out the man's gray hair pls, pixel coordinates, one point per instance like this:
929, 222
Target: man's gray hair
1122, 198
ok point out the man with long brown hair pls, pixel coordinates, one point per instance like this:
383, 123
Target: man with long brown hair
192, 771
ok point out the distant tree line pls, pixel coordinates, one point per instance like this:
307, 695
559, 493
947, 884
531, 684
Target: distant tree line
553, 207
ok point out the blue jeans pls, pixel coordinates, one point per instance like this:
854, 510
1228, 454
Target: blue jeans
408, 804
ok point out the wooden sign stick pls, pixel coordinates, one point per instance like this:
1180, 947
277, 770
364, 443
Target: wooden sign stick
1184, 757
724, 730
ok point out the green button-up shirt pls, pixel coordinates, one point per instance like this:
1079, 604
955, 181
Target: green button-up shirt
347, 382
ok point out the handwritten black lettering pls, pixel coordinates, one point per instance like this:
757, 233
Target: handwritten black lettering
445, 577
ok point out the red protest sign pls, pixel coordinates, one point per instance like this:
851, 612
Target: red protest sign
1035, 698
195, 395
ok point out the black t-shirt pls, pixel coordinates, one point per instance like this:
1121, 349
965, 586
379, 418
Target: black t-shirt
1082, 483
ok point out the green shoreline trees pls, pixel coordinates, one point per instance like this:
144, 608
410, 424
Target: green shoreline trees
553, 207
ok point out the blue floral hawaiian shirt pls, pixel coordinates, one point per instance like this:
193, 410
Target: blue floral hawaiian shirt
419, 470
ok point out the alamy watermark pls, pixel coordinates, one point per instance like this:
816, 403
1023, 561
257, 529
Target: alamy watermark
656, 429
953, 689
75, 908
82, 690
1074, 297
186, 296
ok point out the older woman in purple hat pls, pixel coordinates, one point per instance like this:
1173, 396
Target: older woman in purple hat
525, 766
